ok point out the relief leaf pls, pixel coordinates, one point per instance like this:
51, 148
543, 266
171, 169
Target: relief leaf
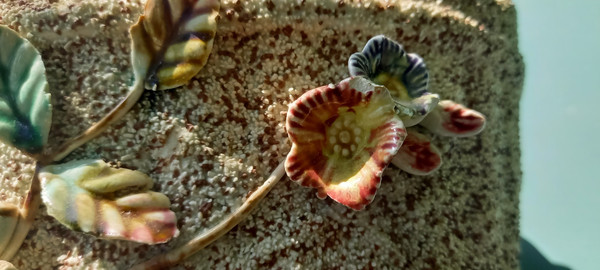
25, 110
92, 197
15, 222
172, 41
9, 217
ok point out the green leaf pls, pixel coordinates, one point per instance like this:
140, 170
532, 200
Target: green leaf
25, 110
92, 197
172, 41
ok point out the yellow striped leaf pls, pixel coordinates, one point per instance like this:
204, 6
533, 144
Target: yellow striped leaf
172, 41
92, 197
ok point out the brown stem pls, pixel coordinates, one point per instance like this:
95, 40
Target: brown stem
66, 148
25, 218
176, 256
9, 217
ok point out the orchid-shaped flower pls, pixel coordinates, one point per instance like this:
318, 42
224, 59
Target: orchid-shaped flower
384, 62
343, 137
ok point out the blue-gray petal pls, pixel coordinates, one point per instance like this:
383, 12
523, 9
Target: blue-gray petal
383, 55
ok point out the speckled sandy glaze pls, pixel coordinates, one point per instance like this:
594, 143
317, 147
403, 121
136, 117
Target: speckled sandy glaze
210, 143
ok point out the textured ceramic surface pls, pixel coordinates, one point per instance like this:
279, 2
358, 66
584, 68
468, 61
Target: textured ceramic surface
215, 140
170, 44
25, 110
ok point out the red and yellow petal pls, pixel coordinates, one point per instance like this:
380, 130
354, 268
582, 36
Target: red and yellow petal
343, 137
418, 155
453, 119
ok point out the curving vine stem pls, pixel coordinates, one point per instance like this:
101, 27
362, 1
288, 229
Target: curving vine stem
176, 256
170, 44
25, 216
117, 113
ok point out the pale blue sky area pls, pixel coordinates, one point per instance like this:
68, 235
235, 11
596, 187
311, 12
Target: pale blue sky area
560, 129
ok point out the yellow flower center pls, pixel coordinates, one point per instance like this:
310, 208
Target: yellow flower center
397, 88
344, 137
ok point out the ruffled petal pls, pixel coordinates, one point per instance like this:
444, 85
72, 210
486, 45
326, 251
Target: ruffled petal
385, 62
418, 155
453, 119
343, 137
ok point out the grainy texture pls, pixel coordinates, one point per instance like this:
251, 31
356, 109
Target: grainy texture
209, 143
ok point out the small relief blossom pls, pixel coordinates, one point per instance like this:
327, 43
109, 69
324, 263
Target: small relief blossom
405, 75
384, 62
343, 137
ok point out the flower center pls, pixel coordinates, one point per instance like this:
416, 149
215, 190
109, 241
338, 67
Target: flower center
396, 87
344, 136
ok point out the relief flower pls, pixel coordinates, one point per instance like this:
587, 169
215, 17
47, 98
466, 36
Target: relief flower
405, 75
342, 138
384, 62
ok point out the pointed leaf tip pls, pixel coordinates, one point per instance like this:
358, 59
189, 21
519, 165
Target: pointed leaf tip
92, 197
4, 265
25, 110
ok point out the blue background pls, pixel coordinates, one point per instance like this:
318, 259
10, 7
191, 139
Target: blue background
560, 129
